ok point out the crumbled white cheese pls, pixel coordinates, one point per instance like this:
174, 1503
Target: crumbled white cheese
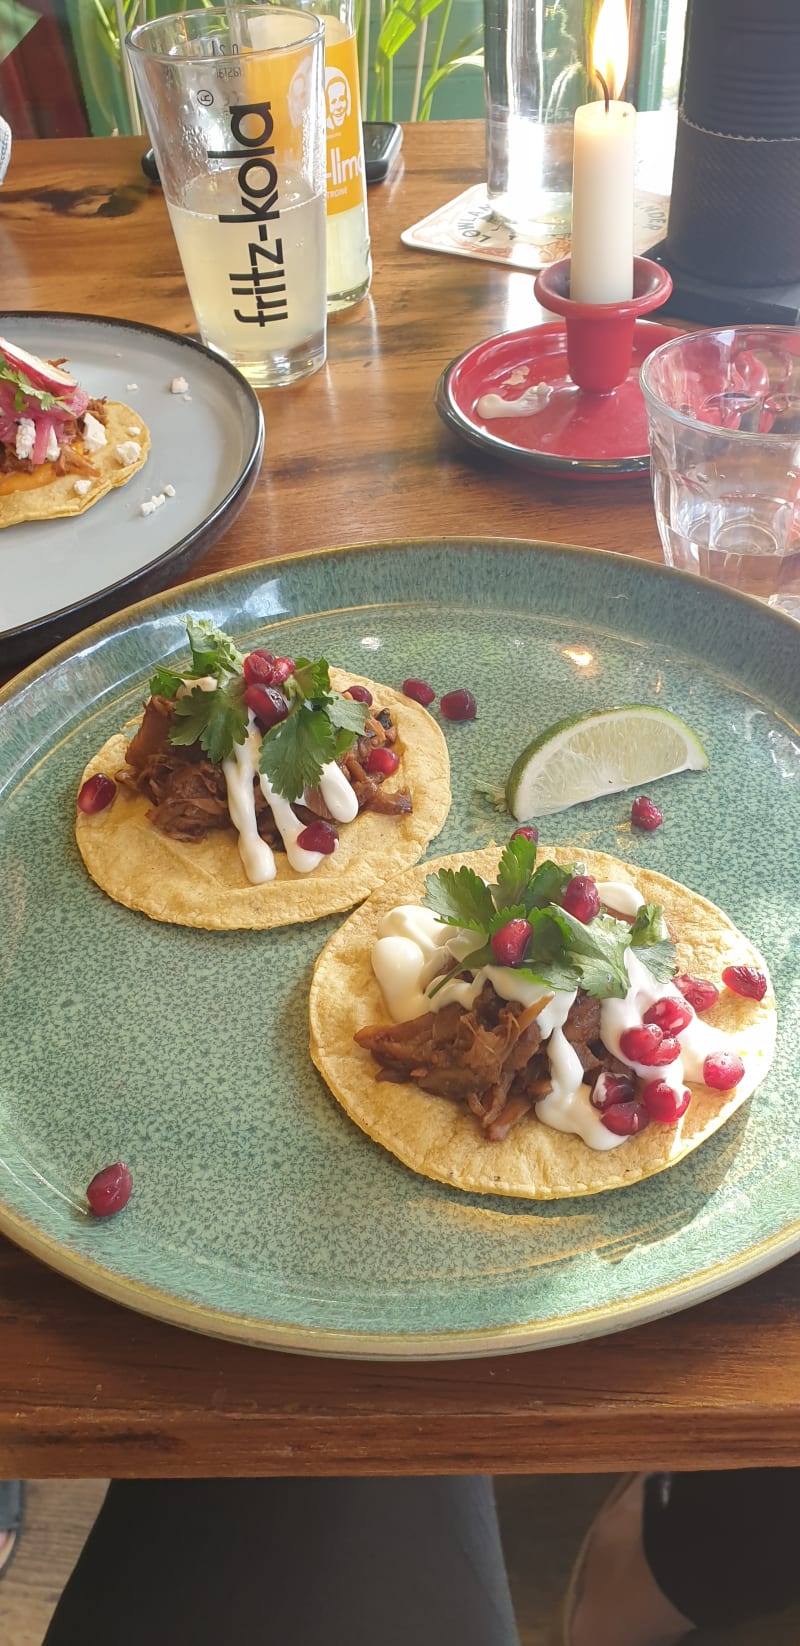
169, 491
52, 450
131, 386
94, 435
128, 451
186, 397
152, 503
178, 385
26, 435
81, 487
133, 428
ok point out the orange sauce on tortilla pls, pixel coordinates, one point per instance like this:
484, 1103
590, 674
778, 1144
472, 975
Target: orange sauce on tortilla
22, 482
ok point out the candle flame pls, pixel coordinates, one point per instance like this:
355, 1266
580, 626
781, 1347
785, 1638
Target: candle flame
610, 45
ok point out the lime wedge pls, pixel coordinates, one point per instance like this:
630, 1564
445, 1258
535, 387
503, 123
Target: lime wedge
595, 754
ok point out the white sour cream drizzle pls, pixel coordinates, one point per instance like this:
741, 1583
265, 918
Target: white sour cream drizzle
338, 794
408, 954
240, 769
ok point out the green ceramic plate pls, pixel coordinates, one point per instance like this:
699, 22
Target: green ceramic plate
260, 1212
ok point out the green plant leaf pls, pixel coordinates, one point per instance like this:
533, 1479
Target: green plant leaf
401, 21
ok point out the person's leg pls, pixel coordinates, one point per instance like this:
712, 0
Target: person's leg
311, 1562
669, 1553
613, 1598
722, 1545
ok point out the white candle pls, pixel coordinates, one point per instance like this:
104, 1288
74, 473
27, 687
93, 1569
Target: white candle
602, 178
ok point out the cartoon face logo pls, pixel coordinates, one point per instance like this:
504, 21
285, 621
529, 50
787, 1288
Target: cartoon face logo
337, 98
298, 94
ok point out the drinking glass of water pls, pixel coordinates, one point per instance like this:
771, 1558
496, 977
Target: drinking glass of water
234, 102
724, 416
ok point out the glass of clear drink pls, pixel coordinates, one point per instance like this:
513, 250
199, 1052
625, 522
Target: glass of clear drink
536, 72
724, 417
234, 102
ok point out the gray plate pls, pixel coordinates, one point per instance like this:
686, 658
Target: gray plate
57, 575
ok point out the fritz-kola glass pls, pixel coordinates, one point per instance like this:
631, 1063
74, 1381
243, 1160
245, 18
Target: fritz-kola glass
233, 99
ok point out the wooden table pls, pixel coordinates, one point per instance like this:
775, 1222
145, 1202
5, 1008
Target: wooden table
357, 454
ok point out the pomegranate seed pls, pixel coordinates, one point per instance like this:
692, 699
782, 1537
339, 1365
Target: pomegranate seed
459, 705
581, 898
700, 994
281, 670
745, 980
669, 1014
110, 1190
625, 1119
663, 1103
257, 668
645, 814
382, 760
359, 694
96, 793
723, 1070
419, 691
510, 943
648, 1046
318, 837
528, 831
612, 1088
268, 705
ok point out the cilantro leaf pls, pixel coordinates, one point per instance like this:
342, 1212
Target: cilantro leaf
165, 682
514, 872
346, 712
343, 741
460, 898
294, 752
515, 911
557, 974
548, 885
216, 720
25, 390
212, 651
310, 681
598, 951
650, 935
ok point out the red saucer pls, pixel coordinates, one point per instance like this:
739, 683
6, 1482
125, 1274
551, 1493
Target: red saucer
566, 431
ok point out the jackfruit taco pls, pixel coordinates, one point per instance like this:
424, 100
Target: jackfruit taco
60, 450
540, 1028
260, 791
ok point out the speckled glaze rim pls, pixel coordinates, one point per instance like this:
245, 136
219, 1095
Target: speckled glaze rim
335, 1343
17, 643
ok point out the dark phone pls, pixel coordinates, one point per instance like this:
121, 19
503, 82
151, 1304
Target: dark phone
383, 140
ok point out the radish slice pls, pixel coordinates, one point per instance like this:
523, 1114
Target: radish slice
40, 372
43, 427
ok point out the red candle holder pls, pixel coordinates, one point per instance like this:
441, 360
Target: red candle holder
600, 335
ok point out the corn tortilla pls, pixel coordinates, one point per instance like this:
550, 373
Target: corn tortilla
47, 498
441, 1139
204, 884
